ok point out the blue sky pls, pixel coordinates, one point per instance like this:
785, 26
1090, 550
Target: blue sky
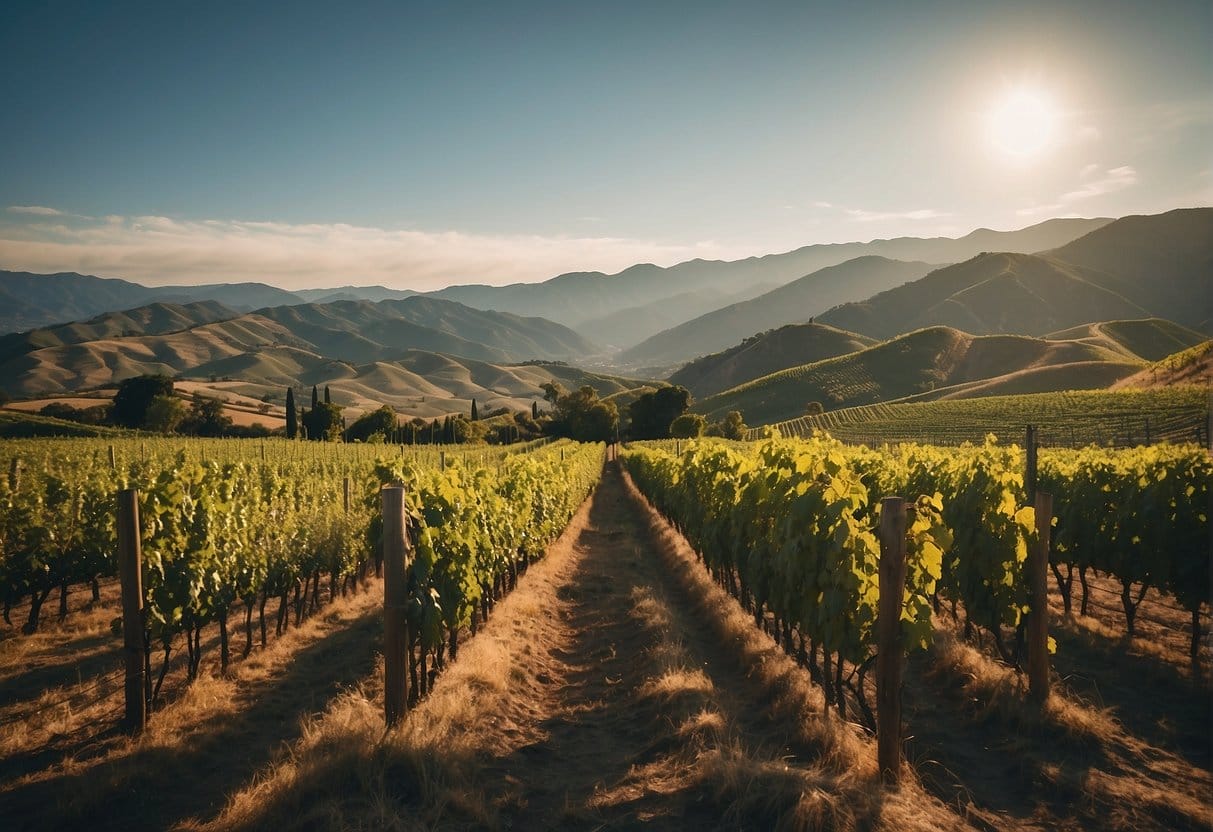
423, 143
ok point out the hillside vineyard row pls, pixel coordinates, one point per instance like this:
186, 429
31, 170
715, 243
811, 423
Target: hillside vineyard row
791, 527
279, 527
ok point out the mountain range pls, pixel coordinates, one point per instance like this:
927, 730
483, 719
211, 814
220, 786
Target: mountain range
1066, 302
591, 301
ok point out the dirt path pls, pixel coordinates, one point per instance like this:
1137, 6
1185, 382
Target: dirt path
646, 713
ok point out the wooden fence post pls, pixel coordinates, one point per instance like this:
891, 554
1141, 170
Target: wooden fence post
442, 460
130, 572
1038, 616
346, 495
888, 638
1029, 474
395, 599
113, 460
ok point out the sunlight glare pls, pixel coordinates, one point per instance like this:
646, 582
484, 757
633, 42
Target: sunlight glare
1023, 122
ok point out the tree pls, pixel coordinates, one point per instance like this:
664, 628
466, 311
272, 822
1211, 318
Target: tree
206, 418
323, 422
652, 413
534, 409
732, 426
381, 422
814, 409
581, 415
328, 398
475, 415
292, 415
688, 426
315, 397
164, 413
135, 395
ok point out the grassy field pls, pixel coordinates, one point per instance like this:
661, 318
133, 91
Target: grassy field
1123, 417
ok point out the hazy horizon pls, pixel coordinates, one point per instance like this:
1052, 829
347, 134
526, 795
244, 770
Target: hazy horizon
419, 145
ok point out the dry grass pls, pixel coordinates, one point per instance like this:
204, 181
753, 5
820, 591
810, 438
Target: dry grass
348, 771
823, 772
62, 779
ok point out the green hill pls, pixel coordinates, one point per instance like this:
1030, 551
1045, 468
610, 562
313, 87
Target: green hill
789, 346
936, 361
1068, 418
1148, 339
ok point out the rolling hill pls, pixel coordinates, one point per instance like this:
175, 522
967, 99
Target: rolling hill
791, 303
789, 346
418, 383
153, 319
1149, 339
277, 343
1193, 366
935, 362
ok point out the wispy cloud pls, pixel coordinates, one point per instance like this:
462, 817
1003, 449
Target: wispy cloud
863, 215
37, 210
1094, 183
159, 250
1115, 179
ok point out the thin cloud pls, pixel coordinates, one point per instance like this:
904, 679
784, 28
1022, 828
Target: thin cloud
161, 250
36, 210
863, 215
1108, 182
1116, 179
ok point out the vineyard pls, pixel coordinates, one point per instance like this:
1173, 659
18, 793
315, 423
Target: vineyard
1122, 418
257, 552
790, 527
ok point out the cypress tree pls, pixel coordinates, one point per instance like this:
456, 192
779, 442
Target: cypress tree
315, 397
328, 399
475, 413
534, 409
292, 417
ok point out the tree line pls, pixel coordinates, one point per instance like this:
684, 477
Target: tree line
150, 403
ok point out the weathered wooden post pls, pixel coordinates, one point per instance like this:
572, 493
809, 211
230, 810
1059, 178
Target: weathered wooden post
1029, 473
395, 599
130, 573
1038, 615
888, 638
14, 473
113, 460
442, 460
346, 495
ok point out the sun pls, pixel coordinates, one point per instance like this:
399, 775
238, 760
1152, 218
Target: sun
1023, 122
